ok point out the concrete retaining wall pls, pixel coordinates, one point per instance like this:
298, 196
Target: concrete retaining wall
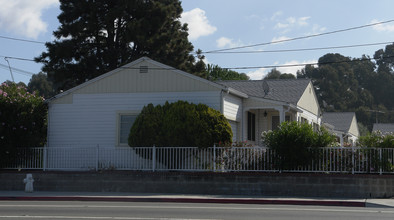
267, 184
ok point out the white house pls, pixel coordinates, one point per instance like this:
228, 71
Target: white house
102, 110
343, 125
385, 128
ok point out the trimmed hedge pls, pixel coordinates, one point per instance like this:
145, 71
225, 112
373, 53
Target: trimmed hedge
179, 124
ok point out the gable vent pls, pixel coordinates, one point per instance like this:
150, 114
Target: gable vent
143, 69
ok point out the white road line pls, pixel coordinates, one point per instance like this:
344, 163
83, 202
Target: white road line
390, 211
95, 217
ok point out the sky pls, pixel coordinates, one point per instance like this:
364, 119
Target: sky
223, 24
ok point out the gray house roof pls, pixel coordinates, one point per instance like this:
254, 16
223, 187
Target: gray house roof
340, 120
383, 127
285, 90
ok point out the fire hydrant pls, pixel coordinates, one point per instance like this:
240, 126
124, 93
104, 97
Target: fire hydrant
28, 183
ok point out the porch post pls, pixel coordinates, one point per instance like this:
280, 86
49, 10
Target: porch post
341, 139
281, 114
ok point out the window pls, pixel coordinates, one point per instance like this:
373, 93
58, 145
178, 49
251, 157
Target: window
304, 120
251, 126
275, 121
125, 123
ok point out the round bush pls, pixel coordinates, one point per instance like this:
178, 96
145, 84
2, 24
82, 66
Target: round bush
179, 124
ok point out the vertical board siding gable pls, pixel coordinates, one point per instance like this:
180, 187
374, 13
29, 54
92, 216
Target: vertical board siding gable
308, 100
157, 79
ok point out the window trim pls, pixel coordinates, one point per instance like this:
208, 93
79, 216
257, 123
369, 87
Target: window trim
118, 124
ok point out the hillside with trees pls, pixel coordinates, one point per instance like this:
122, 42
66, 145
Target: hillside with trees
364, 85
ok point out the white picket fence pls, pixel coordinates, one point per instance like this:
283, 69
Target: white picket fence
213, 159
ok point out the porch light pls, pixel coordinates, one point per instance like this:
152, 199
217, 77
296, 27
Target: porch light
265, 113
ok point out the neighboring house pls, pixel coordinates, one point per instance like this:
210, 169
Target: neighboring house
383, 127
271, 102
343, 125
102, 110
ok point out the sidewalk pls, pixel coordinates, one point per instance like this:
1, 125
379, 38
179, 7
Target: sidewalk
135, 197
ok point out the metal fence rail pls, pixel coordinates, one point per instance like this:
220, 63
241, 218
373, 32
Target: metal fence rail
215, 159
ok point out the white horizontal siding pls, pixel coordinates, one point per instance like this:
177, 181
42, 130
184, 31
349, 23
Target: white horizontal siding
91, 119
232, 107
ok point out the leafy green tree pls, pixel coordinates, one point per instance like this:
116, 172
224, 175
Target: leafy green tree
294, 142
276, 74
215, 72
39, 83
22, 117
384, 79
273, 74
95, 37
355, 84
179, 124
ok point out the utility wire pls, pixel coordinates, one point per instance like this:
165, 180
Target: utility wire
299, 38
17, 58
272, 66
301, 49
16, 70
24, 40
304, 64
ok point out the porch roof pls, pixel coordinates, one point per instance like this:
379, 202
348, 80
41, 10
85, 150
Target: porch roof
284, 90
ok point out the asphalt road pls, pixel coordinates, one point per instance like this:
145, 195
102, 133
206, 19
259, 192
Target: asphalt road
163, 211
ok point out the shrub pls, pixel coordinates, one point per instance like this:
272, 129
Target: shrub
22, 120
379, 158
179, 124
293, 143
22, 117
377, 140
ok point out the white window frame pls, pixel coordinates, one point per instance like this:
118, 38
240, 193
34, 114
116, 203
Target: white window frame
119, 114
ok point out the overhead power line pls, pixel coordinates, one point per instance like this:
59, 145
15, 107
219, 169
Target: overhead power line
301, 49
24, 40
304, 64
272, 66
299, 38
16, 70
17, 58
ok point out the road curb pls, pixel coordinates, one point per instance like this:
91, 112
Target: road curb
189, 200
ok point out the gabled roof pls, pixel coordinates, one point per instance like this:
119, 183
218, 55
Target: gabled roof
340, 120
159, 66
285, 90
383, 127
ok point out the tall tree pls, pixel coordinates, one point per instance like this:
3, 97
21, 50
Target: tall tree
358, 84
384, 79
98, 36
39, 83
